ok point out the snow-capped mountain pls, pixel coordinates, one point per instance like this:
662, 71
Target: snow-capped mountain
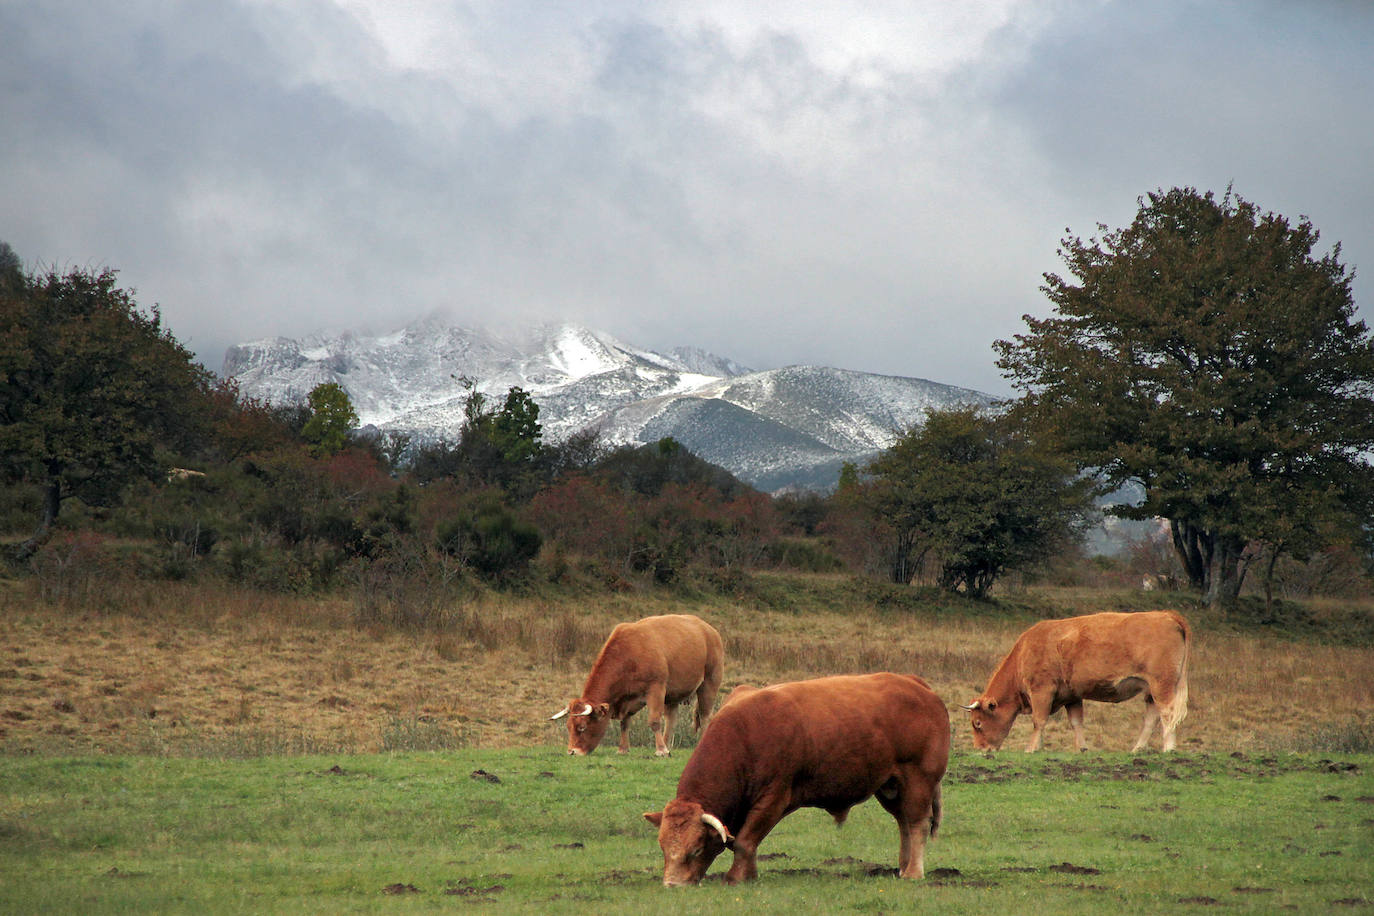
778, 428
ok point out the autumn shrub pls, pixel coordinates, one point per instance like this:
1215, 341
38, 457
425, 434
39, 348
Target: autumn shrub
1334, 570
73, 567
660, 554
701, 524
587, 517
409, 589
864, 544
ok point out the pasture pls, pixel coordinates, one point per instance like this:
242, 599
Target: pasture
190, 749
529, 830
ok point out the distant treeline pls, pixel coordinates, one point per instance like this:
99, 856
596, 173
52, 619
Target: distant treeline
1203, 355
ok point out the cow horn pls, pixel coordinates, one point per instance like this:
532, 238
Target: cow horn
714, 823
970, 706
560, 714
586, 710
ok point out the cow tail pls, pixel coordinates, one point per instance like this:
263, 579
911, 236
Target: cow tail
935, 811
1178, 710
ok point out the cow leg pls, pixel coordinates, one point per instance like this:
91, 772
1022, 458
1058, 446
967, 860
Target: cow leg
911, 803
1148, 726
624, 734
1040, 714
1167, 723
670, 724
1170, 698
1075, 714
763, 817
655, 703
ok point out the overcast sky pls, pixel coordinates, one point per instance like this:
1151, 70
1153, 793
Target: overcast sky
875, 186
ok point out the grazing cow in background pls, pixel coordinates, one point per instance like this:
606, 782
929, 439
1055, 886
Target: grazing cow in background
1161, 582
827, 743
657, 662
1107, 657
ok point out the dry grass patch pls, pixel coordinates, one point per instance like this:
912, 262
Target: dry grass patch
194, 670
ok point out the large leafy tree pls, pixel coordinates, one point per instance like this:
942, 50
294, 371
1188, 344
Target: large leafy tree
92, 390
972, 489
1205, 354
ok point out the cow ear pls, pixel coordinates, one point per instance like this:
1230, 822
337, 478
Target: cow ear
654, 817
992, 704
602, 710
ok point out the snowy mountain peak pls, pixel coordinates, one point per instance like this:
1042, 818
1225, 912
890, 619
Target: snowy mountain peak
777, 428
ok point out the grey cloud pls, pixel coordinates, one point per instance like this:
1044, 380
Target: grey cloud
261, 169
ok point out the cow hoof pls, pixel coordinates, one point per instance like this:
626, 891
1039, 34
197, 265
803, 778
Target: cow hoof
661, 753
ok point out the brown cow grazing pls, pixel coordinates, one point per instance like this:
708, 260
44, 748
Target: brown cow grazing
827, 743
743, 690
657, 662
1106, 657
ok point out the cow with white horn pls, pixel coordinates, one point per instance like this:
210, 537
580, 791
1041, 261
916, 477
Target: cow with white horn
658, 662
828, 743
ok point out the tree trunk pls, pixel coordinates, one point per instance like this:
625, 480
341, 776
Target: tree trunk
906, 560
1228, 573
1274, 551
52, 503
1194, 548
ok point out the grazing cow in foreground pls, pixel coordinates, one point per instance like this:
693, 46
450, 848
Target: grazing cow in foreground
827, 743
657, 662
1107, 657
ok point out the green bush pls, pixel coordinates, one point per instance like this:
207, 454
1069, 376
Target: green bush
299, 568
491, 541
802, 555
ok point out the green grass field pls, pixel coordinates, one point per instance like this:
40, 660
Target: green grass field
531, 830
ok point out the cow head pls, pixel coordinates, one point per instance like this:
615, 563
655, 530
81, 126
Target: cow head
586, 725
991, 720
691, 839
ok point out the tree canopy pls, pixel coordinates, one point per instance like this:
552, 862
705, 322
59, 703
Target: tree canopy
11, 268
1205, 353
91, 390
332, 418
977, 493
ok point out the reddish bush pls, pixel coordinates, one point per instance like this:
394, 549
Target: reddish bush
588, 518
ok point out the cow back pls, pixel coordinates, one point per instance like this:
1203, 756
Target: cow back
1080, 651
677, 650
833, 741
